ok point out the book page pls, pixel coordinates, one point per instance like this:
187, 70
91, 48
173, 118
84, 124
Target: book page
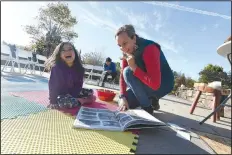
140, 114
124, 118
141, 118
93, 118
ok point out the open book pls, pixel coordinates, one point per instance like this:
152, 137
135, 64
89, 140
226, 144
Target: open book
104, 119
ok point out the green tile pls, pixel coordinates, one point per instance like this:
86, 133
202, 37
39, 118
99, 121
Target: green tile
12, 106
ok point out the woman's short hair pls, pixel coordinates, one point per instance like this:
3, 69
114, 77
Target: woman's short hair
129, 29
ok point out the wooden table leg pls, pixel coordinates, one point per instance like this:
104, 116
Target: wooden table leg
218, 99
214, 107
216, 102
195, 101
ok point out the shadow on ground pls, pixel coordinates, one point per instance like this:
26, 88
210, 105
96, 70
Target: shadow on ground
16, 78
193, 124
166, 142
155, 141
184, 103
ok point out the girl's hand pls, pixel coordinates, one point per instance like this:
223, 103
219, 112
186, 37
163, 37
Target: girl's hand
123, 104
87, 100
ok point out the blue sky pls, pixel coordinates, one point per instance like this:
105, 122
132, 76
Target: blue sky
189, 32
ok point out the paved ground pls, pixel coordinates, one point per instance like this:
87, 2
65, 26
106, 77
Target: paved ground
176, 111
158, 140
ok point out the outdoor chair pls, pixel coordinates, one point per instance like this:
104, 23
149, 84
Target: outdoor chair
35, 62
11, 55
88, 71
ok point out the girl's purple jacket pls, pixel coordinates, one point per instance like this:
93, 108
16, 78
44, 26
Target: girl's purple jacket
64, 80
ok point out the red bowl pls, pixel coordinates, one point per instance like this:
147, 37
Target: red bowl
105, 95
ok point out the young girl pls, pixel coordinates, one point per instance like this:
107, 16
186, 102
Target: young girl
67, 73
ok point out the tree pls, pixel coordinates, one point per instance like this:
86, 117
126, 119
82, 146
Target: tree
175, 74
93, 58
180, 79
212, 73
40, 47
55, 24
227, 81
190, 82
118, 68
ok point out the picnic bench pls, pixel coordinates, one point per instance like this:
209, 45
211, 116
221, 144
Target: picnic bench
95, 72
29, 60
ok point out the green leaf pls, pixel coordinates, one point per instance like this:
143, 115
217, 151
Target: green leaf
55, 23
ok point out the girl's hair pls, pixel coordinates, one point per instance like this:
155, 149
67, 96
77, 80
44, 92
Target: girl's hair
55, 57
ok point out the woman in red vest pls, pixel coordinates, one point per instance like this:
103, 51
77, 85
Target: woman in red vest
145, 71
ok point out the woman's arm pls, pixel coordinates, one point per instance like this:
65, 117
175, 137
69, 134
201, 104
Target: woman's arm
152, 77
122, 81
54, 85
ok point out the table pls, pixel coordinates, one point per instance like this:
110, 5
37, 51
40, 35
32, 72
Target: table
215, 102
225, 51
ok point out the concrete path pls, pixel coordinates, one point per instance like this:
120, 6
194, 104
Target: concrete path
175, 110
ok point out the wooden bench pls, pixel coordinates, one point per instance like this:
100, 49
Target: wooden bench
94, 71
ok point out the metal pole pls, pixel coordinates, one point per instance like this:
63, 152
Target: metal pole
229, 57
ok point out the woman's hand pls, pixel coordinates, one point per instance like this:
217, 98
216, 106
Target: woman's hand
123, 104
131, 62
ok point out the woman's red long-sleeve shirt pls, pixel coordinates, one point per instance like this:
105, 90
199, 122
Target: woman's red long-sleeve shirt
152, 78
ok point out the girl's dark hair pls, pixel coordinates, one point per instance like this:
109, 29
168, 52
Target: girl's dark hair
55, 57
